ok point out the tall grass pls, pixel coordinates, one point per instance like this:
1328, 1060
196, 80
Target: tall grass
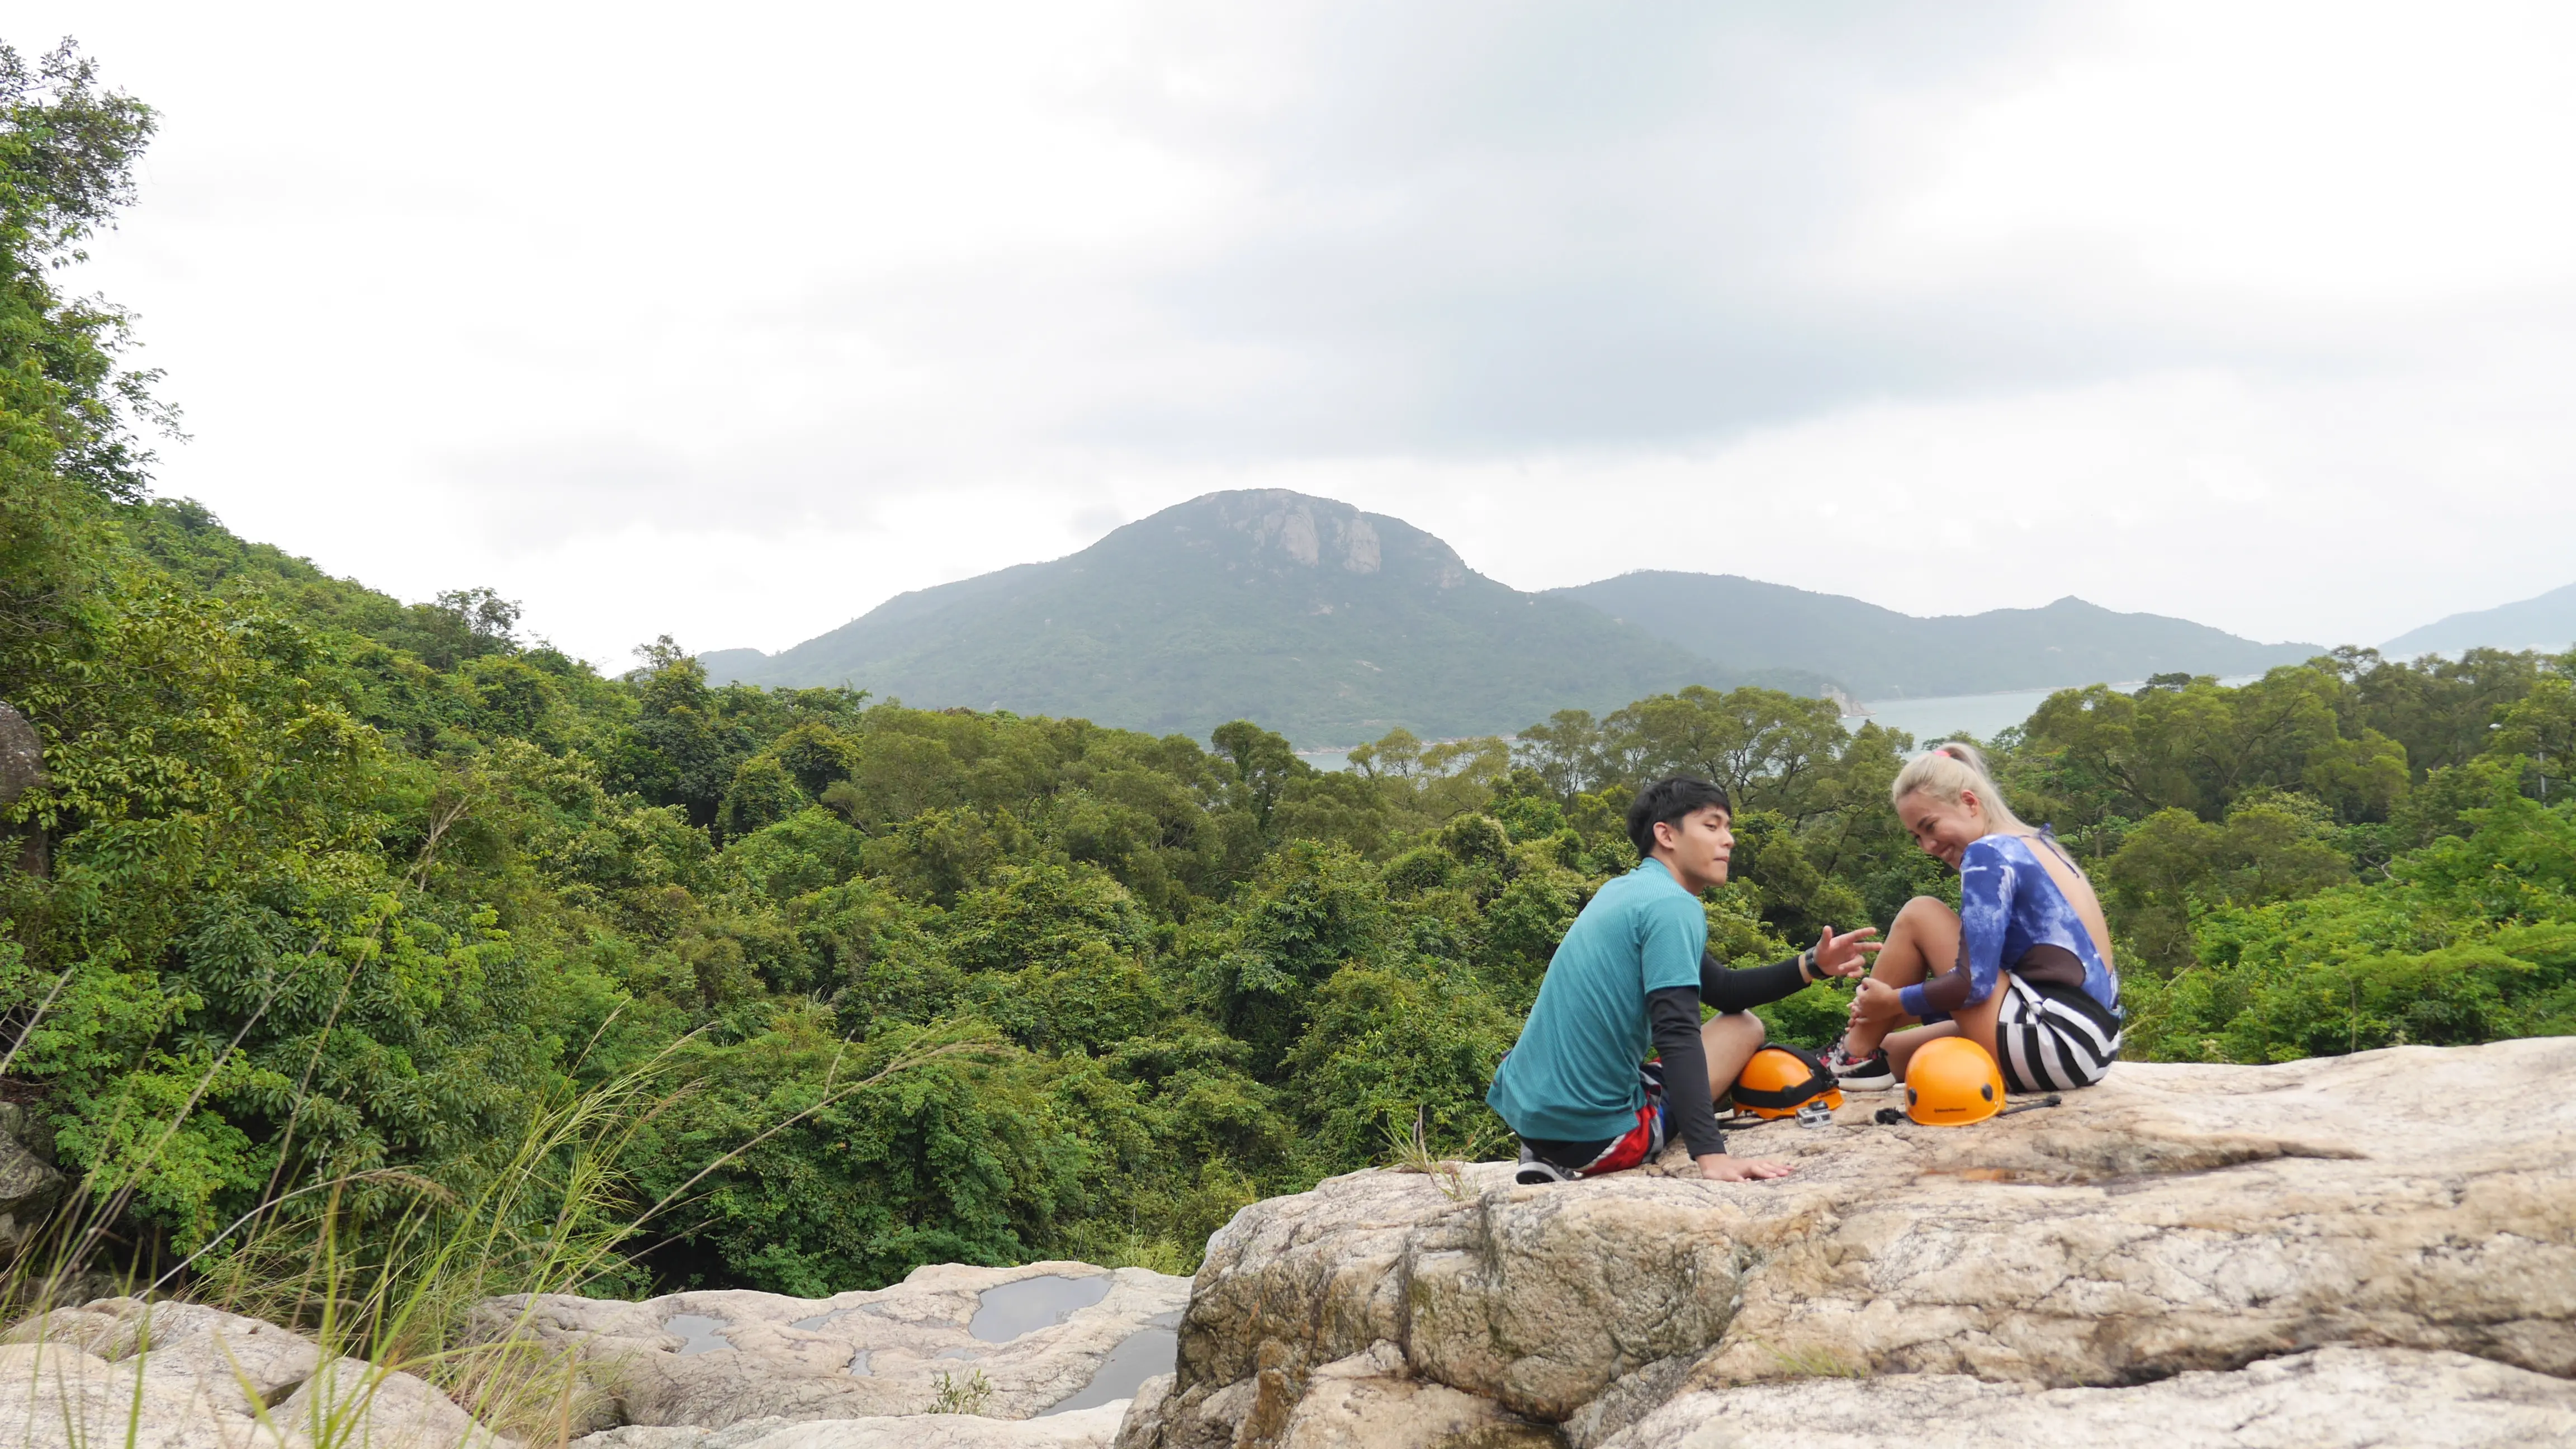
1411, 1152
446, 1285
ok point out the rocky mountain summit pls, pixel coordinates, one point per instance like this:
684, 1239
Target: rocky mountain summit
2376, 1249
2369, 1250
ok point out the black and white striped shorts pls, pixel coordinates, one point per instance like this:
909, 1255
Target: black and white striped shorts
2054, 1038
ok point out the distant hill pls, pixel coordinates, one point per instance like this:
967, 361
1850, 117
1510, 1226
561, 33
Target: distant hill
1327, 624
1745, 625
2547, 622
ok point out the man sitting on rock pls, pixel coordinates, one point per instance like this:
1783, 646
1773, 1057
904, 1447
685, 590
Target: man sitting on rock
1633, 970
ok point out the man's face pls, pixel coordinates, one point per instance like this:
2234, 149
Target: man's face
1697, 846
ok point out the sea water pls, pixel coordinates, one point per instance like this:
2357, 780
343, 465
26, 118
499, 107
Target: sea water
1930, 719
1974, 716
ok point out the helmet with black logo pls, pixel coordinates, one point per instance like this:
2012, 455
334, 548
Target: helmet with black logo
1951, 1082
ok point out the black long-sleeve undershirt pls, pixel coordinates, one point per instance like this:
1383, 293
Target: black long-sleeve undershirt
1673, 1014
1728, 989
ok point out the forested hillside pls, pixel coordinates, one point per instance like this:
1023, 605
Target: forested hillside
2542, 620
340, 894
1879, 654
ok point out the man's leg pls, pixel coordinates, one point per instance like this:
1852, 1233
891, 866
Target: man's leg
1730, 1040
1922, 944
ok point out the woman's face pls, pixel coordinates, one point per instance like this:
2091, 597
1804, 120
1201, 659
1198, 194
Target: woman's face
1945, 831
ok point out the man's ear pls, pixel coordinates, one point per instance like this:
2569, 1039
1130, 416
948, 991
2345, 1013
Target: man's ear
1668, 834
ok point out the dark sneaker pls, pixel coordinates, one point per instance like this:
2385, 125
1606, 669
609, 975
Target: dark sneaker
1860, 1074
1536, 1172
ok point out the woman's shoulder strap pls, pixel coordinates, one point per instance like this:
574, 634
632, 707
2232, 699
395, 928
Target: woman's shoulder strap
1992, 845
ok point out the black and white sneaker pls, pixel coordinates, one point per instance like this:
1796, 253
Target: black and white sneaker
1860, 1074
1535, 1171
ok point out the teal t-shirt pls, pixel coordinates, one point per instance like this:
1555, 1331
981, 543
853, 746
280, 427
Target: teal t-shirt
1573, 1076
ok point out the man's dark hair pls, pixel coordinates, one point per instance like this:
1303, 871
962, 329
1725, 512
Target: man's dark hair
1670, 800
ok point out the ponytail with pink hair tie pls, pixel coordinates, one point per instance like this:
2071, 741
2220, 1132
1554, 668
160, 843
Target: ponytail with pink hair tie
1949, 771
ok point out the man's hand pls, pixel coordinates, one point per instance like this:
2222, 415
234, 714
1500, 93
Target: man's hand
1847, 954
1876, 1004
1718, 1167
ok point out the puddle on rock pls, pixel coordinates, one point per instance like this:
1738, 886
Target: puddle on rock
859, 1364
1005, 1313
818, 1320
1142, 1355
698, 1333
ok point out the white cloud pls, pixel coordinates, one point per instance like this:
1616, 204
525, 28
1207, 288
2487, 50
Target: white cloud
2350, 156
732, 323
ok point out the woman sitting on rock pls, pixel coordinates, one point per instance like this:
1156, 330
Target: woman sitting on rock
2022, 968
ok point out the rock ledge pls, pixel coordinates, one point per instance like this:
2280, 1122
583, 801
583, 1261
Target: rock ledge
2179, 1244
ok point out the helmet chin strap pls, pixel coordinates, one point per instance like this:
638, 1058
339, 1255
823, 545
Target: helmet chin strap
1890, 1116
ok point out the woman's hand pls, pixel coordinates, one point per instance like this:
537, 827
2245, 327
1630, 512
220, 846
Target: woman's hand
1876, 1004
1847, 954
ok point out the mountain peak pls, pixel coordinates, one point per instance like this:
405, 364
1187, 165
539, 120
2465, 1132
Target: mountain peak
1309, 532
1289, 533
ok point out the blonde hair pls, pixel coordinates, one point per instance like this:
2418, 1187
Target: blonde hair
1949, 770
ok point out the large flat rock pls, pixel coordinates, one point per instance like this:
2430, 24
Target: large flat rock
1037, 1357
2332, 1398
1045, 1336
184, 1376
2175, 1220
1079, 1429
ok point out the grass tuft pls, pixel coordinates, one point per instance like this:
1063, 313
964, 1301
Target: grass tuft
1411, 1152
1813, 1361
971, 1396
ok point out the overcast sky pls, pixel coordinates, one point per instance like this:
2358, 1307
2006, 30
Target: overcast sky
731, 321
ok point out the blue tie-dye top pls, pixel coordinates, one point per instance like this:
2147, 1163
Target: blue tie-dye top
2008, 903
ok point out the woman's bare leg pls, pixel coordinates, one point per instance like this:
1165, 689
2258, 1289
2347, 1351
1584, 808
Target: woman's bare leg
1922, 944
1902, 1045
1976, 1023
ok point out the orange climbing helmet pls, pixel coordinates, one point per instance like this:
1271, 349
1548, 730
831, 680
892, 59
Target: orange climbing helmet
1951, 1082
1780, 1080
